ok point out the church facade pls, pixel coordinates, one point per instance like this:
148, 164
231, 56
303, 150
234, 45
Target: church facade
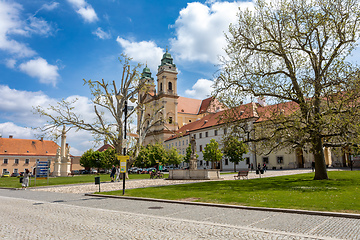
164, 109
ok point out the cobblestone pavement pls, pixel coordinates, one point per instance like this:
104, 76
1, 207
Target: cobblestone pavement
111, 186
87, 218
52, 215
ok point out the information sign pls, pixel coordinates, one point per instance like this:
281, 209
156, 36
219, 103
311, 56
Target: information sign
122, 160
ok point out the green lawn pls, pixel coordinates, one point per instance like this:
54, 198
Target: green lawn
13, 182
339, 194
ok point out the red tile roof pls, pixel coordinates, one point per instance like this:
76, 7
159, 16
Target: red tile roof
205, 104
27, 147
241, 112
188, 105
105, 147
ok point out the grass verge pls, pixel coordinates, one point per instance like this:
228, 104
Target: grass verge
339, 194
14, 182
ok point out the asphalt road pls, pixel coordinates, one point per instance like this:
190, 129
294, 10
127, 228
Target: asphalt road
27, 214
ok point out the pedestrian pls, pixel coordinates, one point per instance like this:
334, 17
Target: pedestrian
252, 167
258, 167
264, 167
26, 177
117, 174
112, 174
312, 165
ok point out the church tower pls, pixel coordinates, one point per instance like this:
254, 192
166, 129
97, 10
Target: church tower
148, 84
167, 92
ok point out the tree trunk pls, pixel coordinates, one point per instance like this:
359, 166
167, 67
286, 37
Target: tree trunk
320, 165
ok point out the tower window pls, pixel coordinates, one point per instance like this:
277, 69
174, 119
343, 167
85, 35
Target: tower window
170, 120
160, 87
170, 86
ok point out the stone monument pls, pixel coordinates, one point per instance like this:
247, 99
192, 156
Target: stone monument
62, 163
193, 172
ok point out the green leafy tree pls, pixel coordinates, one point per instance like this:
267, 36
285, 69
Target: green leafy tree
188, 154
173, 157
86, 159
109, 159
293, 53
234, 150
212, 152
151, 155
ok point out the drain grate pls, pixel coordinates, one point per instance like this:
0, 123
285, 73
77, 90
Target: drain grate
155, 207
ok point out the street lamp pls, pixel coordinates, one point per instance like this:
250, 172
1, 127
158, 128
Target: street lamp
125, 110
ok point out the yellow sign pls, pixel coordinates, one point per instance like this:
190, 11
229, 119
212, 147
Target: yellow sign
122, 160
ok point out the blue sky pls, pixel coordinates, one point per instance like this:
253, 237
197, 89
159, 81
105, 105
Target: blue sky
48, 47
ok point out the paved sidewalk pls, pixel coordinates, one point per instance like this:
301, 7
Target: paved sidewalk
50, 215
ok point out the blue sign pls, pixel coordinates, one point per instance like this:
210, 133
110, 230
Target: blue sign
42, 168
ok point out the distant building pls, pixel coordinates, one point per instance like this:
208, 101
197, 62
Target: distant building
16, 155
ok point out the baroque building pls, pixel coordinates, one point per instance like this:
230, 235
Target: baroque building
164, 110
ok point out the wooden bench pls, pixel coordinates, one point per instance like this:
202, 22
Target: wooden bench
242, 174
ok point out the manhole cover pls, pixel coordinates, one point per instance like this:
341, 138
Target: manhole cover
155, 207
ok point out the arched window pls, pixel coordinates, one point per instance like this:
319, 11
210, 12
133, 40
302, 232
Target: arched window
170, 86
160, 87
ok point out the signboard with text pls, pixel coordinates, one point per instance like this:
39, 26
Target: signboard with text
122, 160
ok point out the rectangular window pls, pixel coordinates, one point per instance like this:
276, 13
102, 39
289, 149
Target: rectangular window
200, 162
176, 144
27, 161
16, 170
265, 160
206, 134
200, 148
4, 170
280, 160
207, 163
226, 161
5, 161
200, 135
183, 142
16, 161
247, 160
187, 142
194, 136
215, 132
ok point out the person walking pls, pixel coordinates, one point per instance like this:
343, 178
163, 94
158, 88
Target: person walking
112, 174
26, 178
264, 167
117, 174
312, 166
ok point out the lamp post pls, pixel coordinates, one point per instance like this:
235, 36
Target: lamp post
125, 110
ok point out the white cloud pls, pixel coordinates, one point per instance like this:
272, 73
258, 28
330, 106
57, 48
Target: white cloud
39, 26
50, 6
101, 34
17, 105
9, 128
85, 10
200, 30
40, 68
10, 63
11, 24
201, 89
143, 52
17, 111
